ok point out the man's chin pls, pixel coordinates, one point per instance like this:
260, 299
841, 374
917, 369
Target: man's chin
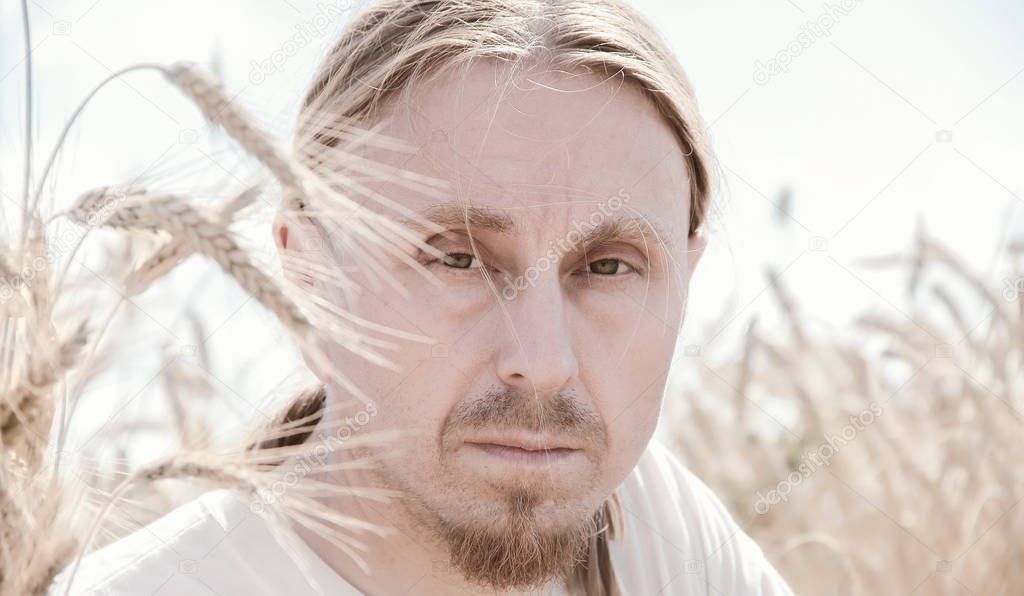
525, 546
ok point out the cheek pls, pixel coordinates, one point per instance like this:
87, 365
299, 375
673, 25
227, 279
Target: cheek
431, 377
400, 392
620, 308
632, 419
629, 339
628, 353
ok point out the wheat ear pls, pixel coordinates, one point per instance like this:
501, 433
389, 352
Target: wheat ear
173, 214
176, 250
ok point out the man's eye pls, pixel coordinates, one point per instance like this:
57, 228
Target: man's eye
460, 260
608, 267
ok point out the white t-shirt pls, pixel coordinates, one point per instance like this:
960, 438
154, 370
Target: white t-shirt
678, 539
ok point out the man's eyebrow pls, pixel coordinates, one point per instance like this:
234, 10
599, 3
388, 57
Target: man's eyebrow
453, 215
637, 229
609, 229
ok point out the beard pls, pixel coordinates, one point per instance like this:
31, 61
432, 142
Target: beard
525, 533
517, 554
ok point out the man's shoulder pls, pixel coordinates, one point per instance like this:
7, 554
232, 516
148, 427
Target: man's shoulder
213, 544
153, 555
676, 529
663, 499
664, 482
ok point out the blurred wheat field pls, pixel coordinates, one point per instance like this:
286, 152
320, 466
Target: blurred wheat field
880, 459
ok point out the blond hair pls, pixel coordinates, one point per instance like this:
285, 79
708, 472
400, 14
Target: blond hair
392, 44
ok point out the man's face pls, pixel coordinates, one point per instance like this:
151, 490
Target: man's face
555, 311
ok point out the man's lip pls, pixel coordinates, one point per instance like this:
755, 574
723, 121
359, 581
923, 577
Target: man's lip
525, 442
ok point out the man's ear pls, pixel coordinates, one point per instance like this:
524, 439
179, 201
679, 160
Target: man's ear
695, 246
292, 236
280, 232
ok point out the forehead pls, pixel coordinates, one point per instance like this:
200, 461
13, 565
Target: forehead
540, 143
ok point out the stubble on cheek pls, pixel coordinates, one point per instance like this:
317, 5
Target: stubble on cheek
439, 477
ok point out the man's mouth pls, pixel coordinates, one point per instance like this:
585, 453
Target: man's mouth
524, 449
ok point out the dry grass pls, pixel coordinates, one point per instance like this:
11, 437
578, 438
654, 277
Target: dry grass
919, 494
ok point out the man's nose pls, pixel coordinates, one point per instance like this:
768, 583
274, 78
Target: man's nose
536, 352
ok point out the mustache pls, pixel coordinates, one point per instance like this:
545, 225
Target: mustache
507, 408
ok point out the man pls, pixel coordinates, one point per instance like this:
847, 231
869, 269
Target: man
579, 177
